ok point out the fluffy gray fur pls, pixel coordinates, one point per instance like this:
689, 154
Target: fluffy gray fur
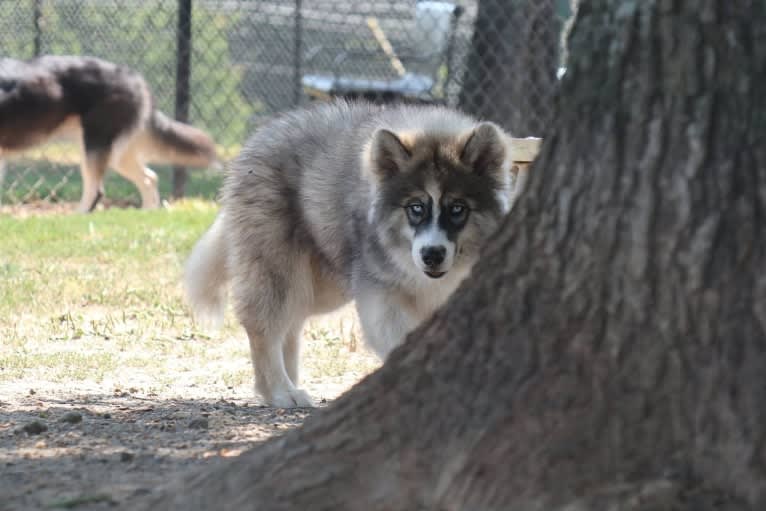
316, 211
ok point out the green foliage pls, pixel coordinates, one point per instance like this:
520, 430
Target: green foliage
17, 28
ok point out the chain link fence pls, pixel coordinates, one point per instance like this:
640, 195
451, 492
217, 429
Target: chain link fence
251, 59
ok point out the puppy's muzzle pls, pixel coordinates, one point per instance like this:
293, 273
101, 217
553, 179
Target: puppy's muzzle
433, 257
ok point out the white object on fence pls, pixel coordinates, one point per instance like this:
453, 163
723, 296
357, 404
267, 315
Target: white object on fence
432, 26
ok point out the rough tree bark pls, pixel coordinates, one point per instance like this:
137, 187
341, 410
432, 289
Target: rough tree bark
610, 350
510, 74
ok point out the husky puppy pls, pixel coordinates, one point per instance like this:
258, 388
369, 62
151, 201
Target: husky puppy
108, 109
387, 206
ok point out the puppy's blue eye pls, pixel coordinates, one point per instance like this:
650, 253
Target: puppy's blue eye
416, 212
456, 209
458, 213
416, 209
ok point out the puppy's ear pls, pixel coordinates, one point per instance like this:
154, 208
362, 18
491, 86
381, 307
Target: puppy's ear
388, 154
484, 150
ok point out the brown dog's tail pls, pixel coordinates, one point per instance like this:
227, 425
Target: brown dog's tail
180, 144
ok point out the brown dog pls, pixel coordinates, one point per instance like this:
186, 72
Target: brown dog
107, 107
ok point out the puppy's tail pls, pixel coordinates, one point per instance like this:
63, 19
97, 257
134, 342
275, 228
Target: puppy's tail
205, 276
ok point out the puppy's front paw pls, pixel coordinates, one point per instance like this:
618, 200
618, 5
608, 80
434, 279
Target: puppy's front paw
291, 398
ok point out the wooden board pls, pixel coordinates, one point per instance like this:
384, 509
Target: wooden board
524, 150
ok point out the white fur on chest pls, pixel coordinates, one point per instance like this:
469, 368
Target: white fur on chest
431, 294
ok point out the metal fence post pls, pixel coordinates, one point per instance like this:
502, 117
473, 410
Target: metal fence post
451, 49
37, 14
183, 74
297, 49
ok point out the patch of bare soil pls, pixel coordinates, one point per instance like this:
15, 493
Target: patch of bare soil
64, 449
44, 207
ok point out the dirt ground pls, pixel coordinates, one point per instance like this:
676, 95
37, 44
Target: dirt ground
85, 448
90, 449
41, 207
69, 441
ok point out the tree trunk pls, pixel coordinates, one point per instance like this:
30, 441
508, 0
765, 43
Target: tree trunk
610, 350
510, 74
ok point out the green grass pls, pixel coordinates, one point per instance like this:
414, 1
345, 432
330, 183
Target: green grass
78, 254
98, 298
84, 295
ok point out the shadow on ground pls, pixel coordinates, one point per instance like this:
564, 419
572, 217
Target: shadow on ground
109, 451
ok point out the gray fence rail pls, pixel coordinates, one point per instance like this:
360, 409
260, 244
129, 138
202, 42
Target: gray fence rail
228, 65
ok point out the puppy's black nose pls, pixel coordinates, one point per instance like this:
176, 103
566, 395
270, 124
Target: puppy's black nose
433, 256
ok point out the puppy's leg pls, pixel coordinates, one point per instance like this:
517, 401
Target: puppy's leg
270, 306
292, 353
271, 378
385, 321
92, 170
129, 167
